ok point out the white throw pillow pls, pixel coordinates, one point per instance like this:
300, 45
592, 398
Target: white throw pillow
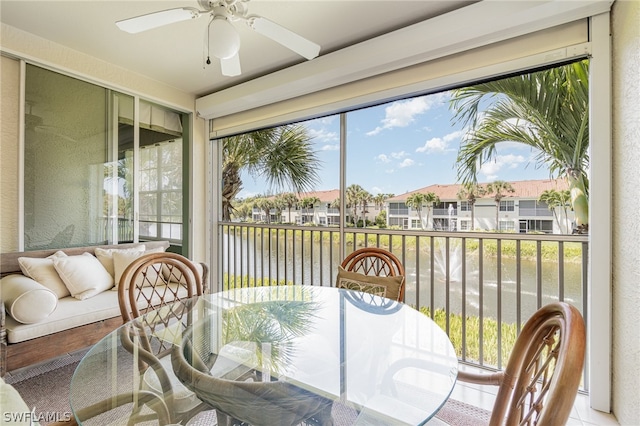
25, 300
42, 270
121, 260
83, 275
105, 256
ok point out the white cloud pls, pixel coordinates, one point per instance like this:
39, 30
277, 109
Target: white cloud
322, 135
407, 162
383, 158
491, 169
330, 147
402, 113
398, 155
440, 145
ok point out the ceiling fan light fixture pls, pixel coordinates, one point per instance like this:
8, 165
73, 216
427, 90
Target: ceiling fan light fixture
224, 40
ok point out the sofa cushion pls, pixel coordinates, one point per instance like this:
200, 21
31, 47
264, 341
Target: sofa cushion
105, 256
42, 270
83, 275
26, 300
72, 312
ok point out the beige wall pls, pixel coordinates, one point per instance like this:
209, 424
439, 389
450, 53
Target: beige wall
43, 52
626, 211
9, 96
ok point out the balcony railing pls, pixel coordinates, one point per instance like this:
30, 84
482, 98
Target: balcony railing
480, 287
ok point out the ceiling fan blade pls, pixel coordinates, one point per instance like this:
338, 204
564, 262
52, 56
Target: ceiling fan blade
157, 19
231, 66
285, 37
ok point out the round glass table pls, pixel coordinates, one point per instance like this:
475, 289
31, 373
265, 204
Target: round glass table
271, 355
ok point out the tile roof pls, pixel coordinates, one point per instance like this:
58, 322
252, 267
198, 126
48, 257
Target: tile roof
324, 196
523, 189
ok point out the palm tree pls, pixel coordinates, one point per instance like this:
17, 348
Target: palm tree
430, 199
470, 192
499, 188
364, 198
551, 198
546, 110
335, 204
354, 194
289, 199
282, 157
279, 204
310, 203
266, 205
565, 202
416, 201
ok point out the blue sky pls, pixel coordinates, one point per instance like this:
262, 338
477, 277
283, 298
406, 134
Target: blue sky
402, 146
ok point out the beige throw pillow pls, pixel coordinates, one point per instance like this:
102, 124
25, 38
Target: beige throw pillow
105, 256
25, 300
121, 260
42, 270
388, 287
83, 275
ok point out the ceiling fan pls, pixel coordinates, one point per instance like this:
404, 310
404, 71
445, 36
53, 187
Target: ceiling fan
222, 38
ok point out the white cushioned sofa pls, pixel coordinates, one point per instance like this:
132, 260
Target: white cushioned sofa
59, 301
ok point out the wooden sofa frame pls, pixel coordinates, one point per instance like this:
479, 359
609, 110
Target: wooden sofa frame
29, 352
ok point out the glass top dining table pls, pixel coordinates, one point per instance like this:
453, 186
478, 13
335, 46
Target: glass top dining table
279, 355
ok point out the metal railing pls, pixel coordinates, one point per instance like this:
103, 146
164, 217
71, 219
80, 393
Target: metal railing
480, 287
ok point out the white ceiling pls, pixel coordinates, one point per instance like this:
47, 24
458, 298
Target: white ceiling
173, 54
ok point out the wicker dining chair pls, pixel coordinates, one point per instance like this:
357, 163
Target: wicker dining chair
372, 261
153, 293
541, 380
247, 401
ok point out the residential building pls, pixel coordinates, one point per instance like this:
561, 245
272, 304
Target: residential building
518, 211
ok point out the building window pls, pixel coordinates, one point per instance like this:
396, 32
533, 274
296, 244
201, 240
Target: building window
507, 225
507, 206
398, 209
465, 206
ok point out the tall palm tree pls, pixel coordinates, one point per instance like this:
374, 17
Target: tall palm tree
282, 157
551, 198
310, 203
364, 198
289, 199
565, 202
266, 205
470, 192
354, 194
499, 189
430, 199
546, 110
416, 201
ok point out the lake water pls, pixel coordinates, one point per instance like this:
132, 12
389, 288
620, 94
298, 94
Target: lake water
315, 262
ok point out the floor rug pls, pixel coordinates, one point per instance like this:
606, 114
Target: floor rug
45, 388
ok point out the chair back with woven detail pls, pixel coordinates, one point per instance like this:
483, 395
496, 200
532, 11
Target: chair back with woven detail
378, 262
157, 279
155, 293
541, 380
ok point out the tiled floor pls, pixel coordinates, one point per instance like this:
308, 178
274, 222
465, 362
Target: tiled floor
582, 415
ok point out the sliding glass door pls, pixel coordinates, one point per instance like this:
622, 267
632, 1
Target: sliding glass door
99, 167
